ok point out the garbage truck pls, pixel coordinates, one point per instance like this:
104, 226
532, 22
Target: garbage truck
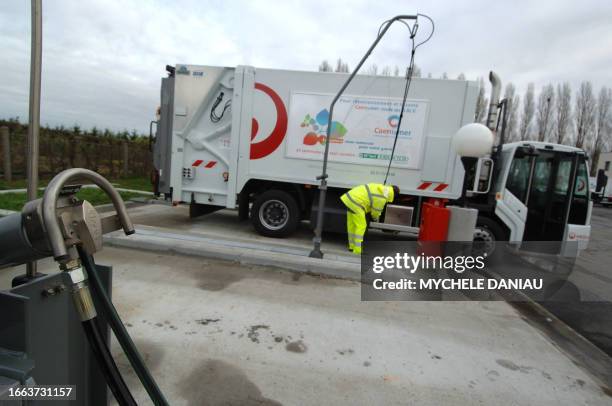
252, 139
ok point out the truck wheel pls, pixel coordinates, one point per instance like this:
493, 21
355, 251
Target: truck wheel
275, 213
486, 236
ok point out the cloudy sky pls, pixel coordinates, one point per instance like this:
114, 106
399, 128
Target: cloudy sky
103, 59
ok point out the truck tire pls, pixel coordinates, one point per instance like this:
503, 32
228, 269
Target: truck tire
486, 236
275, 213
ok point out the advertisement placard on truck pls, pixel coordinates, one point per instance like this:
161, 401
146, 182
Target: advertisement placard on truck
363, 129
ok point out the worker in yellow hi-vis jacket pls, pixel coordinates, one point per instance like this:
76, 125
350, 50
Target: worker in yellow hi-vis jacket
370, 198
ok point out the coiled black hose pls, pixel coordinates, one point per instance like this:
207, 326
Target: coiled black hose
107, 364
123, 337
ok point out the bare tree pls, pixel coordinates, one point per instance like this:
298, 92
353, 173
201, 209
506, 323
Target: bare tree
325, 67
461, 76
429, 76
546, 103
602, 131
528, 112
513, 105
585, 114
389, 71
481, 103
342, 66
564, 112
444, 75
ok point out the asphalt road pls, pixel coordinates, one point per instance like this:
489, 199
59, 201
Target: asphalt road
591, 314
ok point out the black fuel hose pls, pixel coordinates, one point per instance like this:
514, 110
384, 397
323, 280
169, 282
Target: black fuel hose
122, 335
107, 364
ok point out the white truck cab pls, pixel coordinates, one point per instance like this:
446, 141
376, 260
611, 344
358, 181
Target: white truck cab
541, 194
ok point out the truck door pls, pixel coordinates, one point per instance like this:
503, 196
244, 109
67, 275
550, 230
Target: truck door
556, 197
578, 224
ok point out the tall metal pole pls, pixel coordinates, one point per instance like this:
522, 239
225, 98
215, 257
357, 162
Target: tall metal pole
316, 250
34, 112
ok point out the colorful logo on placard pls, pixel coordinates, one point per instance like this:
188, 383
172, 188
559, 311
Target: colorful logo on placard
317, 129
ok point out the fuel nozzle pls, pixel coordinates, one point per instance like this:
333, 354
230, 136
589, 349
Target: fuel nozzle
59, 222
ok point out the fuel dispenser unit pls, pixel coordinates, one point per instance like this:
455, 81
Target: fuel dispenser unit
70, 230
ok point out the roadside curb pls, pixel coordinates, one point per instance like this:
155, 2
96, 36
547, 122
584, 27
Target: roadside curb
4, 212
297, 261
583, 353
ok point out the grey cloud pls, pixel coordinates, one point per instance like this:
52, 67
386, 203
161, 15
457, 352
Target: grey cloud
103, 60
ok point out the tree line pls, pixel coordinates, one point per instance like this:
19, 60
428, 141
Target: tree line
16, 126
62, 147
558, 114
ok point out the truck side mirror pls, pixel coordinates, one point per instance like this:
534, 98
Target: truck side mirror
482, 176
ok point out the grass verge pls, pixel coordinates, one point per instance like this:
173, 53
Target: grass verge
136, 183
15, 201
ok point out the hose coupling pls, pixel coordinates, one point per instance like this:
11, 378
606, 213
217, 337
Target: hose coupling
80, 290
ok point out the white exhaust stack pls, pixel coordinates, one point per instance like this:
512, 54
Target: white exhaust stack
494, 101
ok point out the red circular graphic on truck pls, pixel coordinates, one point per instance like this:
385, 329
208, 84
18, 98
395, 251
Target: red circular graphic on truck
268, 145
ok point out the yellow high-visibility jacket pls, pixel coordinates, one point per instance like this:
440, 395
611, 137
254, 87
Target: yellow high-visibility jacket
369, 198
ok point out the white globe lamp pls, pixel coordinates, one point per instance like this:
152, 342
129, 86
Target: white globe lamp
473, 140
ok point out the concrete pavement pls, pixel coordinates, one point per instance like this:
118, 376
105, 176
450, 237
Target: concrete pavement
219, 333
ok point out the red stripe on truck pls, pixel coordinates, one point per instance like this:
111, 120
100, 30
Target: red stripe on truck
210, 164
440, 187
424, 185
197, 162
